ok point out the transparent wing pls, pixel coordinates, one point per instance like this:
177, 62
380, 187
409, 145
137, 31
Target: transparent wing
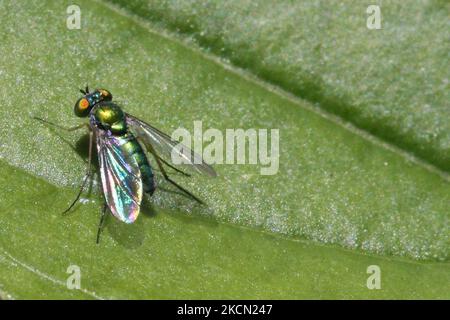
120, 175
166, 146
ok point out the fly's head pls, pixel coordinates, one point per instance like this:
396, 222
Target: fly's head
85, 104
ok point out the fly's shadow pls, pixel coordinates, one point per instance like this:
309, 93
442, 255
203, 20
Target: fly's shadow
82, 149
130, 235
127, 235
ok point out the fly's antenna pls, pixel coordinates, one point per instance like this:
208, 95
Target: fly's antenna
85, 91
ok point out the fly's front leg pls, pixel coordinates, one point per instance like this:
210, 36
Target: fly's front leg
88, 172
163, 172
84, 125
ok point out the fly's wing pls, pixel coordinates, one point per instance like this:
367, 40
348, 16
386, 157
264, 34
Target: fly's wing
120, 175
166, 146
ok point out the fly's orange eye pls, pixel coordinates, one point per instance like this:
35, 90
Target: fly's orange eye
83, 104
82, 107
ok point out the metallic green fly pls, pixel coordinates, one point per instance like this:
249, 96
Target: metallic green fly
123, 142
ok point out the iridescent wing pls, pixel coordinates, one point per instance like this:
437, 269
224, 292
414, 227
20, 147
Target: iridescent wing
120, 175
166, 146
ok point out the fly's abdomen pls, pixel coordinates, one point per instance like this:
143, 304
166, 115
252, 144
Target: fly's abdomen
135, 150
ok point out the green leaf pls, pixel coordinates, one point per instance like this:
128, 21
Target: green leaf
174, 255
392, 82
311, 231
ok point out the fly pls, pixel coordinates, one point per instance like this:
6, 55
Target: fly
122, 143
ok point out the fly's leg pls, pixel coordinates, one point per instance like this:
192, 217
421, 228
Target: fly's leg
163, 172
86, 176
172, 167
102, 220
88, 170
165, 162
61, 127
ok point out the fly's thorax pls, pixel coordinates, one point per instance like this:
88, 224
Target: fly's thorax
111, 117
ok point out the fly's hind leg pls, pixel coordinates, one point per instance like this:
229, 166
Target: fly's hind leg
159, 161
172, 167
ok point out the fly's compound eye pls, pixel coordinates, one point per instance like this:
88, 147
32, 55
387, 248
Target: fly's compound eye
82, 107
106, 95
